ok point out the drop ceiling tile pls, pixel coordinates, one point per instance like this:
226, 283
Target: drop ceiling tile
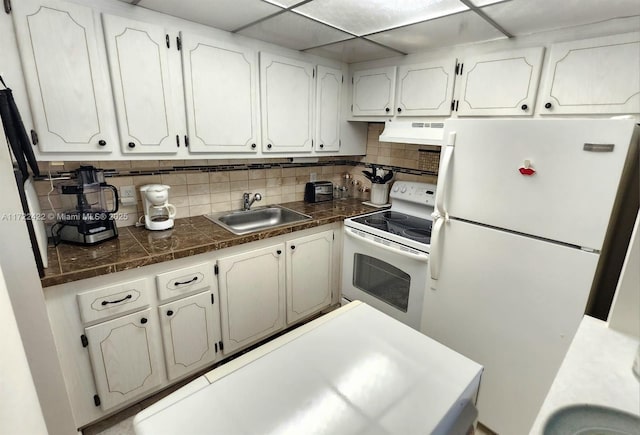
362, 17
284, 3
294, 31
481, 3
522, 17
462, 28
222, 14
354, 50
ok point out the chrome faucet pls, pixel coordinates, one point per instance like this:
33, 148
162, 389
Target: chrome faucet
247, 201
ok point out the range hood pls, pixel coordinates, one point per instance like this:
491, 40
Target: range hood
423, 133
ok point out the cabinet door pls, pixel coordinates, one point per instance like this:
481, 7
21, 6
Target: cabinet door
65, 69
221, 90
252, 296
141, 80
328, 100
599, 75
426, 89
373, 91
125, 360
190, 333
286, 89
500, 84
308, 275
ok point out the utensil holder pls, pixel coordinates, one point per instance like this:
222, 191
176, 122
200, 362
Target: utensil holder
379, 193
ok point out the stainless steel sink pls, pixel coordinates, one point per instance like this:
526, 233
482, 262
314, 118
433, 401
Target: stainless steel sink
245, 222
586, 419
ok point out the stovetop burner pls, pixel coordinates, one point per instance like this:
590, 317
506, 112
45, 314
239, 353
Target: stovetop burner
400, 224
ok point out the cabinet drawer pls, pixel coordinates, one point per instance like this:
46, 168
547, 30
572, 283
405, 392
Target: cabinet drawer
114, 300
184, 281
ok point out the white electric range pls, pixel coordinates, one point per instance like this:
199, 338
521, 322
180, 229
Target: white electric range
386, 253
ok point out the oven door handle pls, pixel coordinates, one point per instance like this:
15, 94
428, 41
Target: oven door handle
423, 258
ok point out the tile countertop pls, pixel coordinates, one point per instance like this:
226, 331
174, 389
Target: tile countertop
137, 246
596, 370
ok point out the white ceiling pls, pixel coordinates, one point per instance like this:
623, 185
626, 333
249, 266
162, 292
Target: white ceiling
361, 30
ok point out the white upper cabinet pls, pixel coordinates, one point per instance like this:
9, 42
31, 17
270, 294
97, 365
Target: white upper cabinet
328, 100
142, 85
499, 84
426, 89
221, 92
286, 90
65, 70
373, 92
599, 75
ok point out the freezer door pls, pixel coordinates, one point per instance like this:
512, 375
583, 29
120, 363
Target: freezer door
570, 196
512, 306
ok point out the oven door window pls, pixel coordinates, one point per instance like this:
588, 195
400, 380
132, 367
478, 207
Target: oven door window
382, 280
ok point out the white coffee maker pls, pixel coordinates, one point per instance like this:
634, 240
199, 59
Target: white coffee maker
158, 213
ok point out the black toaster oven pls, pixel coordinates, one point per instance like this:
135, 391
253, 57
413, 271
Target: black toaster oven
318, 191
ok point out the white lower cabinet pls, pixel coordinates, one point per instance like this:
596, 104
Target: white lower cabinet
124, 359
252, 296
190, 333
124, 336
309, 275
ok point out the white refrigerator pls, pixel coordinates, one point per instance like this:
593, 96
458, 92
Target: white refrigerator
522, 211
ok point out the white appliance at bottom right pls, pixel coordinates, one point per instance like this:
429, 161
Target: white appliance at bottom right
522, 212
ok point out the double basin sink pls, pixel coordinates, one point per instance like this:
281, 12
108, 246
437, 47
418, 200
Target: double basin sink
243, 222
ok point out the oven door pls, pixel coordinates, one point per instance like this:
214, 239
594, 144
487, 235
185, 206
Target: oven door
379, 273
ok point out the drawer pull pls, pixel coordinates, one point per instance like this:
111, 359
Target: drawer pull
118, 301
177, 283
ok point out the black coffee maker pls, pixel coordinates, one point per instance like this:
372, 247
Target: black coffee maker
86, 218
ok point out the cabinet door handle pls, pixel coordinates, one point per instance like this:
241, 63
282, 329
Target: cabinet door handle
399, 109
177, 283
547, 106
293, 247
118, 301
102, 142
387, 109
253, 146
131, 145
170, 313
279, 252
269, 146
524, 107
143, 320
321, 145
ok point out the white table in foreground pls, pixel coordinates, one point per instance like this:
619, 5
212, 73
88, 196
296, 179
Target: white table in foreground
352, 371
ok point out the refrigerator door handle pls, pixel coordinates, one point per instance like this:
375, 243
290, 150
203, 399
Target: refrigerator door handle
440, 215
443, 173
436, 245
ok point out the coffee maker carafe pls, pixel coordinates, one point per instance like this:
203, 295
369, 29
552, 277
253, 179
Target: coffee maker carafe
86, 218
158, 213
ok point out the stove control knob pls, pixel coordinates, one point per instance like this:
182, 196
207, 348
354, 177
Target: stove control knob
396, 188
404, 189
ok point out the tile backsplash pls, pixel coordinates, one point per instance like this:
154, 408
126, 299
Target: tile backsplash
203, 186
